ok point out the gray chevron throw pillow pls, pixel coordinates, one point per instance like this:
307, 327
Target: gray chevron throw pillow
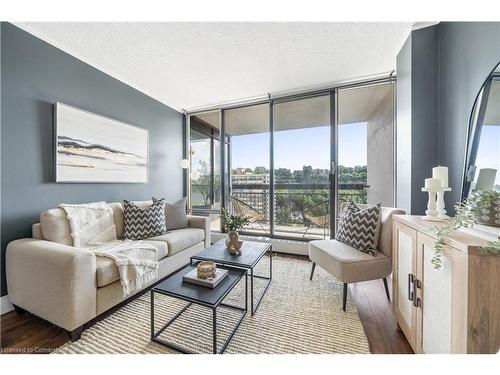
146, 222
359, 228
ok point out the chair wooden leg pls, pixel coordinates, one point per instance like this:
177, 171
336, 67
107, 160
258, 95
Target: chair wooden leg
386, 288
312, 271
344, 300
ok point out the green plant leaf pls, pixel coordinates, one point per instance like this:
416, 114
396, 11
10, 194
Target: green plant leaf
230, 222
468, 212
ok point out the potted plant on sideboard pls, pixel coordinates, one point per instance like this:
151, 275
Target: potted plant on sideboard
481, 207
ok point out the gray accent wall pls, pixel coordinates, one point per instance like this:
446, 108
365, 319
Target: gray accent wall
440, 72
468, 52
417, 117
35, 75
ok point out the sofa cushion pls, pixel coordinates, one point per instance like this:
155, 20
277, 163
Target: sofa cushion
36, 231
346, 263
118, 218
106, 269
180, 239
55, 226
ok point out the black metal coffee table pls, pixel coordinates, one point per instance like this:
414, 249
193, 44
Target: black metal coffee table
251, 253
173, 286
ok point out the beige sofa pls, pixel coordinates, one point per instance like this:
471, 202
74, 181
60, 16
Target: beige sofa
70, 286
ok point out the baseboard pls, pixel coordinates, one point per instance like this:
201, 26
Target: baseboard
291, 247
279, 245
5, 305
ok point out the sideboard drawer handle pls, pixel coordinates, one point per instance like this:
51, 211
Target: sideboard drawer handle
416, 285
411, 279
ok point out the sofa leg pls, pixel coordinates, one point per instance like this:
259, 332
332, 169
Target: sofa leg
344, 297
386, 288
312, 271
19, 310
75, 334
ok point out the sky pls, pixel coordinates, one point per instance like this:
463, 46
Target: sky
295, 148
311, 146
488, 154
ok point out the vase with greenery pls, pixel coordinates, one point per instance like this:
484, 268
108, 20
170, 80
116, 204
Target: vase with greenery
475, 209
232, 224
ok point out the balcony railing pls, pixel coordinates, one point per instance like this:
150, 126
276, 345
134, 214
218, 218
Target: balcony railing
300, 210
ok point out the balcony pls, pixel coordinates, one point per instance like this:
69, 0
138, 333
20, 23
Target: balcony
301, 211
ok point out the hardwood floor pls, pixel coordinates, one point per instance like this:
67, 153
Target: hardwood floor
29, 334
376, 315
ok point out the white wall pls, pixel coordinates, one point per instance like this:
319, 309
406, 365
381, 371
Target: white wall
5, 305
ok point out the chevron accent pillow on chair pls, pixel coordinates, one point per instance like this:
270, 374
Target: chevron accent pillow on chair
359, 228
146, 222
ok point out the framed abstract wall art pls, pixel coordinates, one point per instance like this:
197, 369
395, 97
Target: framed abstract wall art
93, 148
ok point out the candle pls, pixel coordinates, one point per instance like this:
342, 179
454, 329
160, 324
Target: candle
432, 183
442, 174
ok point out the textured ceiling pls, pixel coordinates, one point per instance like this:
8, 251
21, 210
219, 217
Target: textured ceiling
186, 65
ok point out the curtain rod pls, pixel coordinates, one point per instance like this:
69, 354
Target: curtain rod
295, 93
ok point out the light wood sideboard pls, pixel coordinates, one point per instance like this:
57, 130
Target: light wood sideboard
453, 309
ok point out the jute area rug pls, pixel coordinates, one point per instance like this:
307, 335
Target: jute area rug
296, 316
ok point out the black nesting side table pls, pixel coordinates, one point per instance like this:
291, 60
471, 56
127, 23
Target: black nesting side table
251, 254
173, 286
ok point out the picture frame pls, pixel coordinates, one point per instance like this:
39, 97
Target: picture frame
91, 148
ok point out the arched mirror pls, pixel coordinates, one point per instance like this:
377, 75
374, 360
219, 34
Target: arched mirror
482, 168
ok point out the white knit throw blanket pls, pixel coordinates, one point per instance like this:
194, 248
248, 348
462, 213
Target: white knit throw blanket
90, 223
92, 226
137, 262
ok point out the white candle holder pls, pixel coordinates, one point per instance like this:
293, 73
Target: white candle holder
435, 206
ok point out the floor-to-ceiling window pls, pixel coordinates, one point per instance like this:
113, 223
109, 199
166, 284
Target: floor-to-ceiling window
205, 167
302, 167
348, 129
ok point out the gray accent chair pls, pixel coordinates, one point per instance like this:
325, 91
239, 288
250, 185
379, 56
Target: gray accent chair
350, 265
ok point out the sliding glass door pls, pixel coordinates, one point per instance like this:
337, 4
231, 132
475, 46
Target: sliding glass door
201, 176
247, 131
302, 161
205, 166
